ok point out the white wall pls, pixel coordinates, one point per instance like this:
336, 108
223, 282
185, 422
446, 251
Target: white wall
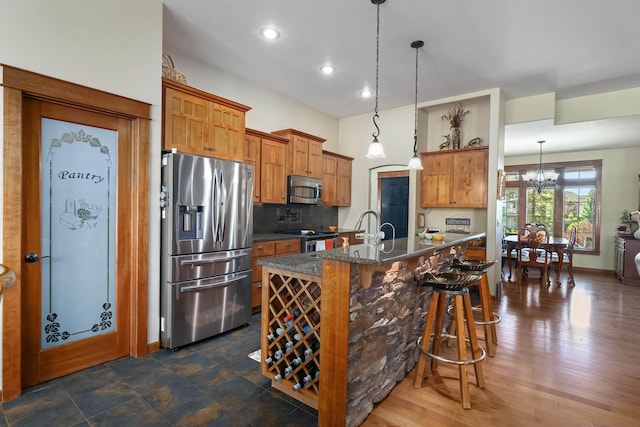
114, 46
620, 169
396, 136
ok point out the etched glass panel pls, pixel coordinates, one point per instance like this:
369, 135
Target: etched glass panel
78, 231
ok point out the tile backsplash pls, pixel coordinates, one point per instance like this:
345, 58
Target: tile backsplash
268, 218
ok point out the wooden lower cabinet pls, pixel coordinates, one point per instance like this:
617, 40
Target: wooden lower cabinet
263, 250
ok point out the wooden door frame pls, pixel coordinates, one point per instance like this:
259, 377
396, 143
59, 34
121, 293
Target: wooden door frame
18, 84
381, 176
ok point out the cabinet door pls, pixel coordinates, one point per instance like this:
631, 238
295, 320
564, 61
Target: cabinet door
470, 179
436, 180
252, 158
329, 178
273, 180
343, 183
299, 155
184, 122
314, 162
226, 132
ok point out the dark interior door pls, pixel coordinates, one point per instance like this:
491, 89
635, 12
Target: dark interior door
394, 200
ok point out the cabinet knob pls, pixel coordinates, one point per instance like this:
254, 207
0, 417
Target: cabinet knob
261, 248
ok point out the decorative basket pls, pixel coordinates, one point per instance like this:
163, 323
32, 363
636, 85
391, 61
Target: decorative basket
169, 71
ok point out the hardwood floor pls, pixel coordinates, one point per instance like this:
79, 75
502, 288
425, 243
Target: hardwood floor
567, 356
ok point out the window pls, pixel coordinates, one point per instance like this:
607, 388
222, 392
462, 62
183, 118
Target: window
573, 201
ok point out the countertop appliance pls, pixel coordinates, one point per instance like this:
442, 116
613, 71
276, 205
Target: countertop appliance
313, 241
207, 233
304, 189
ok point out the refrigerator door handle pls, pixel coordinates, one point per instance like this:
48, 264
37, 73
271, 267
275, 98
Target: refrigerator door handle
214, 259
214, 206
217, 283
222, 193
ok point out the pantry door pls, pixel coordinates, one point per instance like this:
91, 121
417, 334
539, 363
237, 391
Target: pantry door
75, 198
78, 311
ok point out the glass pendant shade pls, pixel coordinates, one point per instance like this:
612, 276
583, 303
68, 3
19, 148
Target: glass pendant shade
415, 162
375, 150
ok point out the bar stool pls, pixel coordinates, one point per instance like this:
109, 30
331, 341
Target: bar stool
489, 317
457, 286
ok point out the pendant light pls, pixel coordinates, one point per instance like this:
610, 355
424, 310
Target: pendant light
541, 179
415, 162
375, 148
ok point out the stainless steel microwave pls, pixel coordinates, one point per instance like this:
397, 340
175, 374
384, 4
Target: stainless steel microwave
303, 189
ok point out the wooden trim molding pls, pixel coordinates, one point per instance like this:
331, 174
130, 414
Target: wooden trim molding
17, 85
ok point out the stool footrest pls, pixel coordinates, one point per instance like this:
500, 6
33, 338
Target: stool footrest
454, 361
496, 318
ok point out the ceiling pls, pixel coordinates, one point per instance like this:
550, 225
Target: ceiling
570, 47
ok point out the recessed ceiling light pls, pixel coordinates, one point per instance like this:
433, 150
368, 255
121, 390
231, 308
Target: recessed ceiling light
327, 69
366, 93
270, 33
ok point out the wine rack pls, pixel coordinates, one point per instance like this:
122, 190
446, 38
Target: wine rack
290, 349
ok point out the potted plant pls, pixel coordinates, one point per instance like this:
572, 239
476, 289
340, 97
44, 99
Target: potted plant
454, 116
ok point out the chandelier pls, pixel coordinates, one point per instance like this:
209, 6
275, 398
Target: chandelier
540, 179
375, 148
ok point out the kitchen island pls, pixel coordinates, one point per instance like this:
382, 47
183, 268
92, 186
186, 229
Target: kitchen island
340, 326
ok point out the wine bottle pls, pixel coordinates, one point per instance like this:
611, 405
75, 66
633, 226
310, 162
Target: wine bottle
270, 337
296, 312
287, 318
278, 354
297, 361
287, 371
268, 360
277, 377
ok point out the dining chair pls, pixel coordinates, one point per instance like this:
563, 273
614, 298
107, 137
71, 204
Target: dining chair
567, 256
531, 252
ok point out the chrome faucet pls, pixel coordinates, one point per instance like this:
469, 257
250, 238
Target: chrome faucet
376, 216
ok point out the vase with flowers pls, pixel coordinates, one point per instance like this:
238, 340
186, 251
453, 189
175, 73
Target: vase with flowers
455, 116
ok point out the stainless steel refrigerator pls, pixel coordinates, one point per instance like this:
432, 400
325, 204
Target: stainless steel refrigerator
207, 230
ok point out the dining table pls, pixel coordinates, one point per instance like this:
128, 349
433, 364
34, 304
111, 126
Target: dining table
557, 244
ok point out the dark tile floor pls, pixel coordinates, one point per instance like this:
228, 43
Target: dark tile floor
209, 383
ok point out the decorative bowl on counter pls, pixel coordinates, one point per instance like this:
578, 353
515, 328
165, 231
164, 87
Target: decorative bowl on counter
438, 236
333, 228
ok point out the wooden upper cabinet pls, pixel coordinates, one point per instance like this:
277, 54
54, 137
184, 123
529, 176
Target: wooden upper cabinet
252, 149
336, 179
455, 178
329, 179
267, 153
226, 132
184, 121
304, 153
197, 122
343, 190
273, 175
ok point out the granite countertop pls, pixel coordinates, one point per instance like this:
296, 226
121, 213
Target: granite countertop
390, 251
306, 263
265, 237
